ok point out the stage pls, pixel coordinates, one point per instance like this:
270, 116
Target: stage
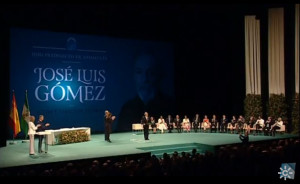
122, 144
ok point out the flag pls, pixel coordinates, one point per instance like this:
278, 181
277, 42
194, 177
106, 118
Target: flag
25, 116
14, 121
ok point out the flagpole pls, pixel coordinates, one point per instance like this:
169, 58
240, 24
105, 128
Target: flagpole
25, 117
14, 118
26, 139
13, 142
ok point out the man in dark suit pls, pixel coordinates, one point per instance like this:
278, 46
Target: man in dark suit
145, 121
214, 124
108, 119
169, 121
42, 127
268, 125
177, 122
196, 122
223, 124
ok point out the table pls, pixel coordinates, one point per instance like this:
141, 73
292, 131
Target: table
54, 134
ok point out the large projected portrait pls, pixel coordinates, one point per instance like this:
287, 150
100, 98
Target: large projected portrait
72, 79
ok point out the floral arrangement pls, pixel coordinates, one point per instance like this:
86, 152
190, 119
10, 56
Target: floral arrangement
252, 106
295, 114
277, 107
73, 136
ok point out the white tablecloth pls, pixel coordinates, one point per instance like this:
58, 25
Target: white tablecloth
53, 137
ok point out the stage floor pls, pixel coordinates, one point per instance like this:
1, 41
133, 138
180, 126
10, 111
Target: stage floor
122, 144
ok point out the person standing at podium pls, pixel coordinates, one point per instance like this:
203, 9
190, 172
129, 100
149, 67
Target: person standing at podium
42, 127
31, 131
108, 119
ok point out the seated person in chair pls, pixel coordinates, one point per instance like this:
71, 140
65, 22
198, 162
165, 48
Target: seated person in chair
213, 124
268, 125
186, 124
196, 122
240, 124
161, 124
224, 122
177, 122
259, 124
205, 123
153, 124
170, 123
276, 126
251, 122
232, 124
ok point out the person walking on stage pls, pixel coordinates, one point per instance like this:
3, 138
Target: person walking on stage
108, 119
145, 121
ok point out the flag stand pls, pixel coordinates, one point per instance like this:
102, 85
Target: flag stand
25, 140
13, 141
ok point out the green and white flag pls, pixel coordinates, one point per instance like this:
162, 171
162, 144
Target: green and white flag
25, 117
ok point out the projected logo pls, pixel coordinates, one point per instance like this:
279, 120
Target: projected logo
287, 170
68, 81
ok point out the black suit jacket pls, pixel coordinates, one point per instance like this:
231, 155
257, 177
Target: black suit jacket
224, 121
177, 122
198, 120
108, 120
145, 121
42, 127
169, 121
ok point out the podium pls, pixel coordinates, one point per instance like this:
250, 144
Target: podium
46, 134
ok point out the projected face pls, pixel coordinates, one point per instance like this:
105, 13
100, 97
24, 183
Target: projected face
147, 76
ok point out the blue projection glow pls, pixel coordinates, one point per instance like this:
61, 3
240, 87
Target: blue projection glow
72, 79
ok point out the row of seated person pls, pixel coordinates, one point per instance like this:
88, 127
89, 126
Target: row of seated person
186, 127
268, 128
213, 126
183, 126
